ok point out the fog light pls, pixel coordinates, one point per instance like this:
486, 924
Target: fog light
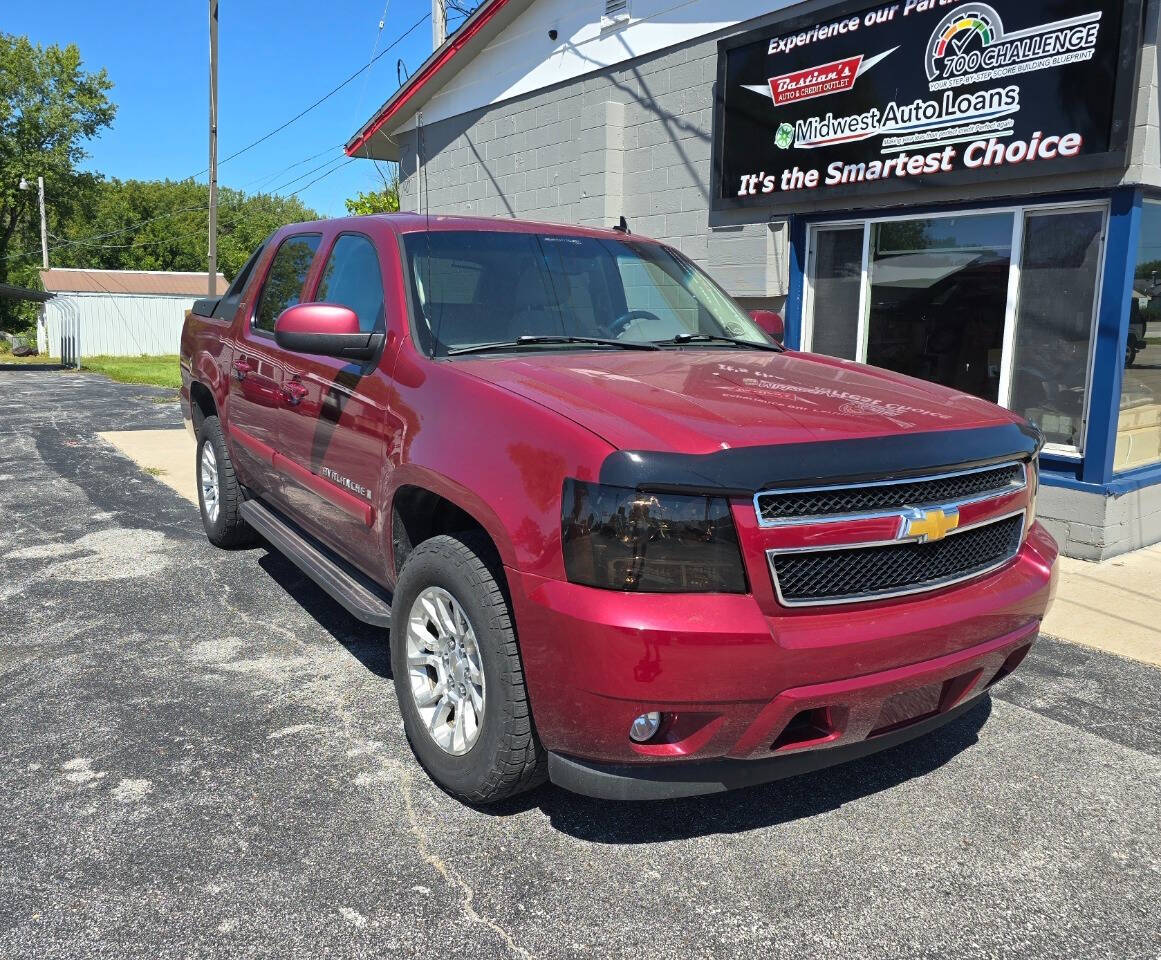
645, 727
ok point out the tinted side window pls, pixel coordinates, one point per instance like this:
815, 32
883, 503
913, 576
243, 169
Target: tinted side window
284, 281
351, 277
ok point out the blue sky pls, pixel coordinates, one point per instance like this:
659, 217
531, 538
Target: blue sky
275, 58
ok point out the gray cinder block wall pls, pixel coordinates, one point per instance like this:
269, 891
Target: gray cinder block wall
1092, 526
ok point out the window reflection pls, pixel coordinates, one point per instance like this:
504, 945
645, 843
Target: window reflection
837, 283
284, 281
939, 295
1139, 423
1058, 287
939, 288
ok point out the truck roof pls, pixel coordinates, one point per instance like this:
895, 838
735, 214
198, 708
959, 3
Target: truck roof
419, 222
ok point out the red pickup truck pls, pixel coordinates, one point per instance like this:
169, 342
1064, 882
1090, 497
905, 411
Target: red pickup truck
622, 538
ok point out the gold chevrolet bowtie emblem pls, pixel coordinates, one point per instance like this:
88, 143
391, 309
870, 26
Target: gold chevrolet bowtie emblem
927, 526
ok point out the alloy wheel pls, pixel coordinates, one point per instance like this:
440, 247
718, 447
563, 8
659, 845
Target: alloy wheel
209, 482
445, 670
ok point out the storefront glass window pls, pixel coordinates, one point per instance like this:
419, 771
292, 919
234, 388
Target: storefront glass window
1139, 426
939, 288
1054, 322
836, 283
939, 303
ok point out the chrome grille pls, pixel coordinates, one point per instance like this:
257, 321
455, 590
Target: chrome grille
844, 575
776, 507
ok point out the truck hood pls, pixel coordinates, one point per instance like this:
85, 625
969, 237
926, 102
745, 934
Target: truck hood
701, 401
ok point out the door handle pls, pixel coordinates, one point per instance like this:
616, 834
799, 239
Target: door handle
241, 368
294, 393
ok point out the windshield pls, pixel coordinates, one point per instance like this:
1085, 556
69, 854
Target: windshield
473, 288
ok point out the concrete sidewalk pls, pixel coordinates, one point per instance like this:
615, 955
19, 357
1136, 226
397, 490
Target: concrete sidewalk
167, 455
1113, 606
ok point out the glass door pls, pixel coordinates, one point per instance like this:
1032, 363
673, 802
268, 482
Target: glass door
1052, 344
836, 290
938, 295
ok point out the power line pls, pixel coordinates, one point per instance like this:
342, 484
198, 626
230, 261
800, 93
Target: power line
237, 153
323, 176
371, 60
87, 241
321, 100
148, 243
302, 176
297, 163
94, 241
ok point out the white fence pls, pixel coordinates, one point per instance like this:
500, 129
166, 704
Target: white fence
120, 325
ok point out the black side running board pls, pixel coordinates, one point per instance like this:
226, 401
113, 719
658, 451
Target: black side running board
359, 595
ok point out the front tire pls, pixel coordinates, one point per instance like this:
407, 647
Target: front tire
458, 675
219, 493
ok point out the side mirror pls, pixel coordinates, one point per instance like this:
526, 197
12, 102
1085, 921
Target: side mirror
327, 329
771, 324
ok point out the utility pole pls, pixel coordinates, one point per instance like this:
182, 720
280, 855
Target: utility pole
25, 185
438, 23
43, 224
213, 249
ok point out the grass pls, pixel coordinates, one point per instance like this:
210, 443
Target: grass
7, 360
152, 371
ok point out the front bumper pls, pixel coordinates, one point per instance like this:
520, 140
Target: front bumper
739, 680
670, 781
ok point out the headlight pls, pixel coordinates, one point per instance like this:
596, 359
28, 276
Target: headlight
622, 539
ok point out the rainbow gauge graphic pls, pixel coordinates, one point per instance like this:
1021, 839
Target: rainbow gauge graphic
975, 23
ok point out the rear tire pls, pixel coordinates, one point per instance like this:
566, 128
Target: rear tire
219, 493
453, 650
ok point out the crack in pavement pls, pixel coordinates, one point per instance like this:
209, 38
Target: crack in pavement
449, 874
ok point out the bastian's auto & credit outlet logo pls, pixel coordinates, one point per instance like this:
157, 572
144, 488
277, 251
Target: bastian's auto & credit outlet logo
823, 80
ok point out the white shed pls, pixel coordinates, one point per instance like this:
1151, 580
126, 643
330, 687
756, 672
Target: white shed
117, 312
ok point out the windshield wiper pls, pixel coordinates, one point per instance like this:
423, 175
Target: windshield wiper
529, 340
683, 338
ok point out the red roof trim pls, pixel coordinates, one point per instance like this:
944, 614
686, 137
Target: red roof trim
457, 43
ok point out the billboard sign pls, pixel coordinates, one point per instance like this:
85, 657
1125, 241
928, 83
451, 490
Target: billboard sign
885, 98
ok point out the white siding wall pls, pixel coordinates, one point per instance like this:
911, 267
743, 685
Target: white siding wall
114, 324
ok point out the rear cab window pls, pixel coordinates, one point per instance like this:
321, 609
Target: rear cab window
285, 279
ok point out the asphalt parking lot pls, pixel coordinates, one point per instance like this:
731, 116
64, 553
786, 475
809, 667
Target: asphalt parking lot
201, 756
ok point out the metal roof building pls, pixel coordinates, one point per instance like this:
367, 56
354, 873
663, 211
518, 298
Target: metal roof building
116, 312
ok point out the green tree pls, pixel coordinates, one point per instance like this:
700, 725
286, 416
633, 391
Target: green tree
376, 201
49, 106
162, 225
1148, 270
